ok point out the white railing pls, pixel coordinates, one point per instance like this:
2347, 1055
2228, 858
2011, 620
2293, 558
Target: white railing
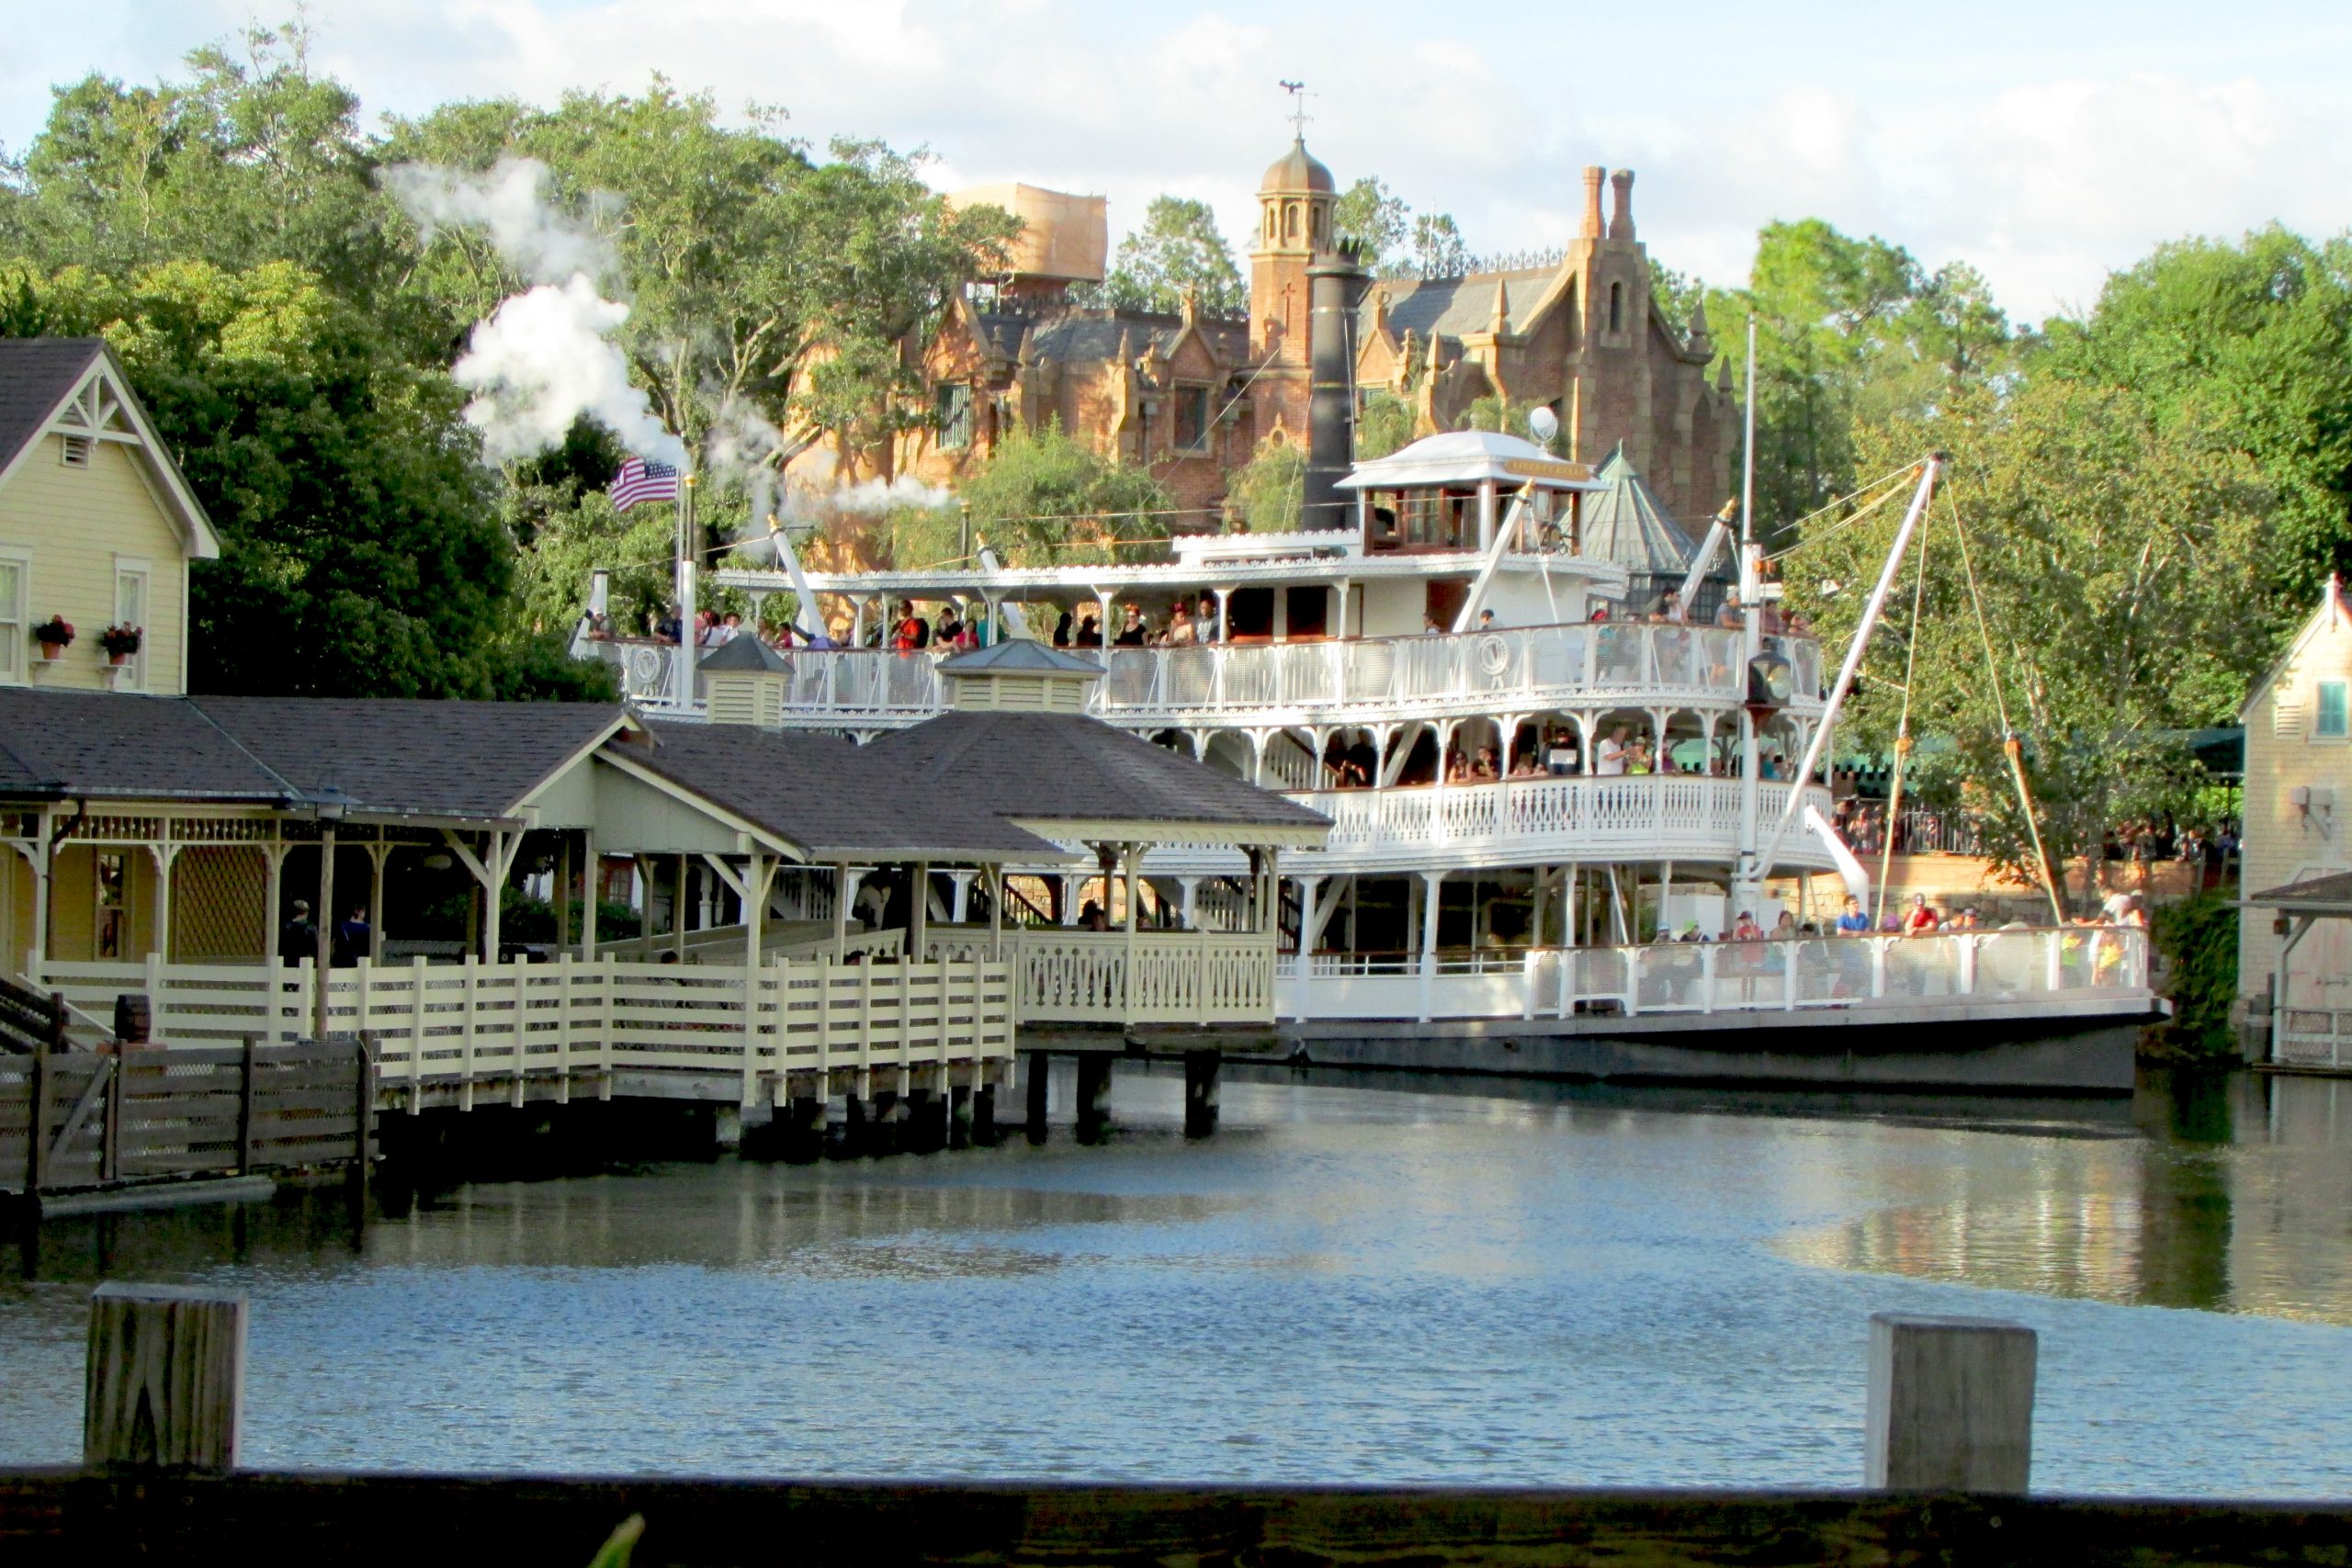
1637, 664
1080, 977
1882, 972
444, 1024
2311, 1037
645, 667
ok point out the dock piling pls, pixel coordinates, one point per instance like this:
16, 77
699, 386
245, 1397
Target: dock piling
1950, 1405
1093, 1095
1041, 1074
165, 1382
1199, 1093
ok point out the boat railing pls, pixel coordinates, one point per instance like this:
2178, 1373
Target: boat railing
1806, 972
1636, 662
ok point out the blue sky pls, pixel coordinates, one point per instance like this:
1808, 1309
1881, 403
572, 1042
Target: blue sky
2045, 143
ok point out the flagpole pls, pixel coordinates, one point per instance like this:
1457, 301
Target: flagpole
682, 668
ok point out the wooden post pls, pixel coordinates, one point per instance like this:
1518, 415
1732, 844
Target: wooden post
1951, 1405
1093, 1095
1040, 1081
1200, 1093
166, 1384
36, 1132
245, 1109
110, 1134
363, 1132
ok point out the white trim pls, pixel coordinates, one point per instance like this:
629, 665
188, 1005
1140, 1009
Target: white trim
17, 630
157, 466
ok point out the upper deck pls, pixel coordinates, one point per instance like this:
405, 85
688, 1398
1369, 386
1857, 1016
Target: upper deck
1581, 667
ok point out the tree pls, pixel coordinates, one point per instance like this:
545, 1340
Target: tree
2116, 552
1270, 490
1046, 497
1387, 426
361, 553
2254, 339
1368, 213
1438, 250
1178, 246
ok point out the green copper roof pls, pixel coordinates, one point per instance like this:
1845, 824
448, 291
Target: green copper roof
1624, 524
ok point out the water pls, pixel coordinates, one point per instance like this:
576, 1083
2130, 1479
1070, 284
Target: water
1535, 1286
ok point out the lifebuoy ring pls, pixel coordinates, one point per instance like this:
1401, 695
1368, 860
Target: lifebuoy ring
1494, 654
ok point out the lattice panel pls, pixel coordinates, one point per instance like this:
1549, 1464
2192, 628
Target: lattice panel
217, 891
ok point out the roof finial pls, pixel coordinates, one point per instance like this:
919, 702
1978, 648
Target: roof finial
1501, 323
1298, 115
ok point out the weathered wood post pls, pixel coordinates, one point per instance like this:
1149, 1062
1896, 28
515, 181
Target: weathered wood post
1951, 1405
245, 1109
1093, 1094
36, 1132
1200, 1093
166, 1384
1041, 1077
804, 1141
363, 1132
959, 1116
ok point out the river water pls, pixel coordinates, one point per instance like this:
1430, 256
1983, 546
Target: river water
1351, 1281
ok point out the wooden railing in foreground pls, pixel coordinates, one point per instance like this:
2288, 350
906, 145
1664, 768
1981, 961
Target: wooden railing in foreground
66, 1519
79, 1120
462, 1024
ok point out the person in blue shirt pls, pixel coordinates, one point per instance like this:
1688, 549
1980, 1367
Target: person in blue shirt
1853, 922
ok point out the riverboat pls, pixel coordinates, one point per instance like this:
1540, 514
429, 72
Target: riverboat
1542, 760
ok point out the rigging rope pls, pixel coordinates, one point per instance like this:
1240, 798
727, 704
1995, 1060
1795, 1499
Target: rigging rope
1890, 484
2011, 748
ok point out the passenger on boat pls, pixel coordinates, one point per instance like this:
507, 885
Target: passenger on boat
1729, 615
1089, 634
1853, 922
1609, 757
1669, 605
1134, 633
1529, 766
1637, 756
1179, 626
1487, 765
1205, 622
1061, 630
951, 627
912, 632
1922, 919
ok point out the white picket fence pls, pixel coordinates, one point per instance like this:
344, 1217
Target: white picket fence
471, 1022
1082, 977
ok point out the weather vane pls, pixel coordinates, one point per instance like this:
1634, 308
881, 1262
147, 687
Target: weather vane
1297, 90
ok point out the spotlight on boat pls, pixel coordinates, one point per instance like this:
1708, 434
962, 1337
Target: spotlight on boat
1768, 683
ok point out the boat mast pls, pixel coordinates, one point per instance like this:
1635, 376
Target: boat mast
1747, 877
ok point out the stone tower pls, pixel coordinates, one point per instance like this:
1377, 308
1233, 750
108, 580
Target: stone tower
1303, 286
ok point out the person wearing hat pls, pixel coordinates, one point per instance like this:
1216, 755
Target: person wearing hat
297, 939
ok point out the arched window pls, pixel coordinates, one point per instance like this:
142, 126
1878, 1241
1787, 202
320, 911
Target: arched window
1290, 220
1322, 217
1616, 307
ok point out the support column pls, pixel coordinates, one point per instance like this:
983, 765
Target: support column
273, 898
164, 855
562, 889
678, 901
960, 903
1189, 910
589, 885
1432, 883
918, 911
1093, 1096
1200, 1093
1131, 854
1041, 1074
379, 853
1072, 883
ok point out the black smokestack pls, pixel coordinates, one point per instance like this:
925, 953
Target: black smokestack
1335, 285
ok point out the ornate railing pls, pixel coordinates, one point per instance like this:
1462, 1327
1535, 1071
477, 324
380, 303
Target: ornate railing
1631, 664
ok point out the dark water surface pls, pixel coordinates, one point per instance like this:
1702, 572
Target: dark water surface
1351, 1281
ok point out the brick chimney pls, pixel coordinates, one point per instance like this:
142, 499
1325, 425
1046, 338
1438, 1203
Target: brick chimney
1592, 201
1620, 214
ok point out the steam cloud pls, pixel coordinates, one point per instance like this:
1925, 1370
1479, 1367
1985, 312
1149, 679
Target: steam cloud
546, 355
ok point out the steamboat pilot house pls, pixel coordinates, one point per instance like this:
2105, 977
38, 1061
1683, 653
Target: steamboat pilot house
1518, 754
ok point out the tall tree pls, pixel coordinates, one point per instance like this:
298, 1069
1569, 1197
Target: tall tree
1177, 246
1372, 215
1046, 497
1438, 250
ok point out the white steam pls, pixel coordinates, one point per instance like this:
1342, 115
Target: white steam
882, 495
544, 357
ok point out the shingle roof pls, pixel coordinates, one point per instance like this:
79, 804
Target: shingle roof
1086, 336
1020, 656
2322, 891
35, 375
1048, 767
412, 757
110, 745
1452, 306
830, 798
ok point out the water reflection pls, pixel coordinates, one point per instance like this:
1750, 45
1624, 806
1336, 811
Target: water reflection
2238, 1197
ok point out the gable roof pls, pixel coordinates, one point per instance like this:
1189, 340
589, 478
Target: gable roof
1020, 656
829, 797
1451, 307
1039, 769
42, 376
2332, 612
2330, 895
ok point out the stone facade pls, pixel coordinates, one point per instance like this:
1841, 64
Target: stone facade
1193, 396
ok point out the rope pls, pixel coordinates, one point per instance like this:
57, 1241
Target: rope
1893, 489
1902, 729
2011, 748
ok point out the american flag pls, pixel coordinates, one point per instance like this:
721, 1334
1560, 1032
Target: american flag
640, 480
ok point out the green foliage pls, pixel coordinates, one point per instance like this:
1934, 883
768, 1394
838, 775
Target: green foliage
1370, 214
1387, 426
2253, 340
1046, 497
1438, 250
1270, 490
2198, 938
1848, 332
2116, 553
1676, 295
1177, 247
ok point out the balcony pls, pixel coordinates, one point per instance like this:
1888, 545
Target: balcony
1526, 668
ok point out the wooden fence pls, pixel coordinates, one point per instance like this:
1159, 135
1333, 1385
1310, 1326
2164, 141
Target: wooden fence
29, 1020
467, 1024
80, 1120
1081, 977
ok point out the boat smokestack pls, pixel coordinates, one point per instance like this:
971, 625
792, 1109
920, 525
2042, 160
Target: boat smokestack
1335, 285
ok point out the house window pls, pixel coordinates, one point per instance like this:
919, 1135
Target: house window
14, 631
952, 406
1192, 418
2330, 723
110, 922
131, 610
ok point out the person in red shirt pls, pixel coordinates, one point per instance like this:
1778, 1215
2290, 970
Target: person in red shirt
1921, 921
913, 631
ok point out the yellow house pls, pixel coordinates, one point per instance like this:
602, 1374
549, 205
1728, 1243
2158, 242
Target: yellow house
97, 525
2297, 790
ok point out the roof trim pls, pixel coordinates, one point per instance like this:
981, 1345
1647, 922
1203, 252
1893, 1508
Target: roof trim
653, 777
2331, 610
203, 544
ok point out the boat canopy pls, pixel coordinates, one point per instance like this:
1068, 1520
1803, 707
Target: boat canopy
1471, 458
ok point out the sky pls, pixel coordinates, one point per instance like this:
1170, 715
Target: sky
2044, 143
